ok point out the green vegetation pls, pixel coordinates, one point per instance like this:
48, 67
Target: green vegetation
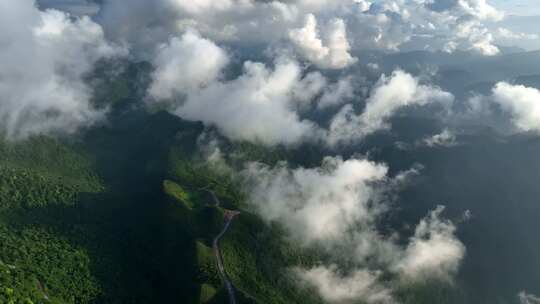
178, 193
44, 266
80, 224
255, 255
208, 293
200, 176
86, 221
37, 178
126, 214
42, 171
258, 261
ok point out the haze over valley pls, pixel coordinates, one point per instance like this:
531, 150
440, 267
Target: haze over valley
253, 151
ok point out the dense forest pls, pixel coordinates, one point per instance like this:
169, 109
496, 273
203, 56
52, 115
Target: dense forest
269, 151
122, 212
124, 216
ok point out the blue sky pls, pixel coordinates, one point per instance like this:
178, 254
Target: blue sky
518, 7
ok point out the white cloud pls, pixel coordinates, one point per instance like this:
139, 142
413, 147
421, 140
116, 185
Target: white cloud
336, 288
480, 9
271, 101
362, 5
479, 38
311, 85
308, 40
444, 139
209, 147
260, 105
508, 109
187, 76
526, 298
433, 251
201, 6
399, 90
144, 24
336, 208
332, 53
186, 63
505, 33
485, 47
317, 204
521, 103
346, 24
389, 95
44, 55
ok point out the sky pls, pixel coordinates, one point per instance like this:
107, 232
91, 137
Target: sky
518, 7
513, 7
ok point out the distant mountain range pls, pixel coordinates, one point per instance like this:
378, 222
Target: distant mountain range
76, 7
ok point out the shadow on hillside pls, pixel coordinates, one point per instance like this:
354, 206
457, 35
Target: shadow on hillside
138, 253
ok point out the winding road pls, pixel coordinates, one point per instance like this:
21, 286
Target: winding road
229, 217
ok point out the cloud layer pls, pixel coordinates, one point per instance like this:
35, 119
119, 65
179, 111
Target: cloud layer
333, 53
336, 288
322, 31
305, 85
521, 103
272, 101
336, 208
387, 96
433, 251
260, 105
509, 108
185, 63
44, 55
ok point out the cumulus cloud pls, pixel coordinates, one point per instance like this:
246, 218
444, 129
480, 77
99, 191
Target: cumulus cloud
508, 109
451, 25
44, 55
480, 9
444, 139
317, 204
200, 6
446, 25
477, 8
185, 63
505, 33
526, 298
433, 251
269, 101
388, 96
479, 38
331, 30
399, 90
336, 208
335, 288
144, 24
333, 53
260, 105
521, 103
